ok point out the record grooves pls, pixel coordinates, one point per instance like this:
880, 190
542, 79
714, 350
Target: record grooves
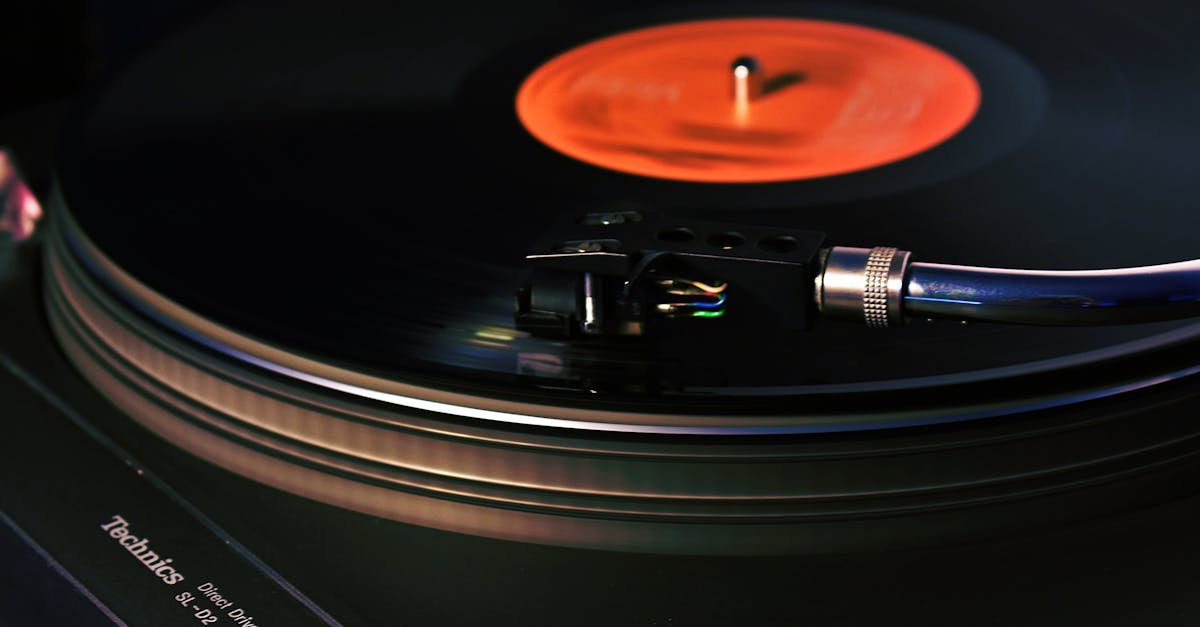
649, 493
299, 263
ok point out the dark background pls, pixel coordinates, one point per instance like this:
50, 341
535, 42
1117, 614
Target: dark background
51, 50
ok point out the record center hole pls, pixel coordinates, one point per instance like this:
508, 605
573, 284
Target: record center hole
779, 244
727, 240
676, 234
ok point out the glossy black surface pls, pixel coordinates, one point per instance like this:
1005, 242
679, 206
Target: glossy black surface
350, 181
1109, 185
1136, 567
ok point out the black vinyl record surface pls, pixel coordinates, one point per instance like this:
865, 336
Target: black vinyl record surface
351, 182
348, 182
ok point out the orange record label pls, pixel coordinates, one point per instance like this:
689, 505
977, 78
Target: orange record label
747, 100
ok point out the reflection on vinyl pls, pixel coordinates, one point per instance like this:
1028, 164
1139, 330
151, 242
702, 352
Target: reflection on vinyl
301, 262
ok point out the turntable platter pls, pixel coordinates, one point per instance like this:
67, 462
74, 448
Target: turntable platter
363, 192
295, 257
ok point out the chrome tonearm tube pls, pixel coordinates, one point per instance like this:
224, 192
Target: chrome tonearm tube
881, 286
640, 273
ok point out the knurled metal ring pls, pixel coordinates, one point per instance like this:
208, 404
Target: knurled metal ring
875, 293
862, 283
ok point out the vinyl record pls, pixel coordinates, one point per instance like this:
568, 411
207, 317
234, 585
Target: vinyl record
359, 189
289, 242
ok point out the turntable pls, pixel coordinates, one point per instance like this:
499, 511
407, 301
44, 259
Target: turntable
619, 314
